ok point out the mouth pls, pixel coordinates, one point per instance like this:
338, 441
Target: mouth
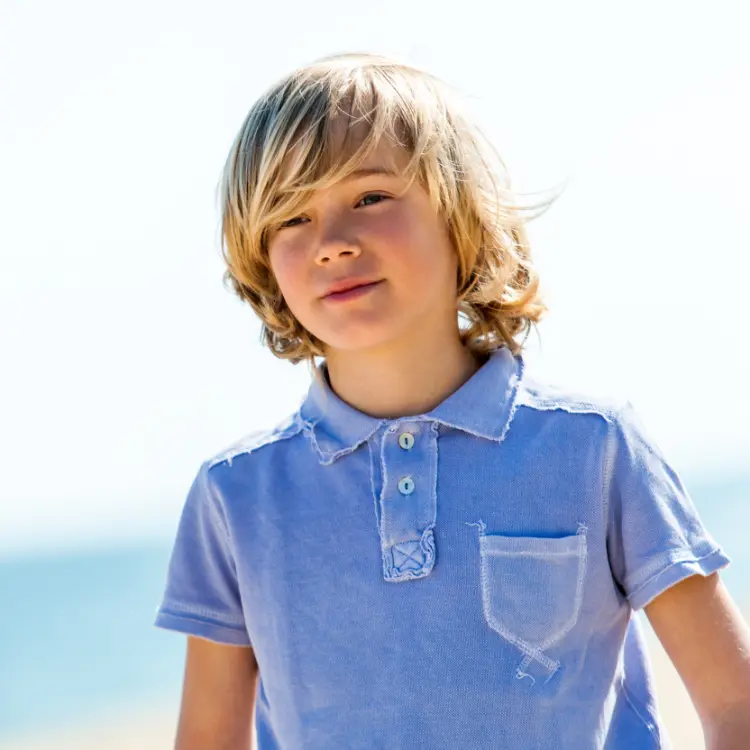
352, 292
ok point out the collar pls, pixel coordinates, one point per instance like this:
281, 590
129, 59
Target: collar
483, 406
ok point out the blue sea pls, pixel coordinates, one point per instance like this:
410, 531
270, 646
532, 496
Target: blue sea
76, 637
77, 641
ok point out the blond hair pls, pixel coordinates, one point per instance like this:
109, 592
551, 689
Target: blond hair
285, 150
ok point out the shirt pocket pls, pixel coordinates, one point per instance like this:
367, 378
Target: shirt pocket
532, 587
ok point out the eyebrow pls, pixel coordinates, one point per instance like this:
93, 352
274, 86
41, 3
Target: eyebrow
358, 173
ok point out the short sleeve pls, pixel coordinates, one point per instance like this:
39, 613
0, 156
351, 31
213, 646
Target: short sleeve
201, 595
655, 536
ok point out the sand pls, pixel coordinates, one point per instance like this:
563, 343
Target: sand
676, 708
154, 729
144, 730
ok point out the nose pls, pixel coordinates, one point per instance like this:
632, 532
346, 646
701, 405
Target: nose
332, 249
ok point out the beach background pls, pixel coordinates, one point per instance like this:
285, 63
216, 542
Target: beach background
84, 669
127, 362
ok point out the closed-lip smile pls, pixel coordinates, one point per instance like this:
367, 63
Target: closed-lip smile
338, 288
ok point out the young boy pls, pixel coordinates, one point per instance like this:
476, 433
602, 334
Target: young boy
436, 550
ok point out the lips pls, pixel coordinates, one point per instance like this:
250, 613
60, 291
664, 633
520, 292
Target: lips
348, 285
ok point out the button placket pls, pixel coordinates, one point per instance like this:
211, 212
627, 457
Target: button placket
407, 500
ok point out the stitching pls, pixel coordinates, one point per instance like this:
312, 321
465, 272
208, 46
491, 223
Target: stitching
535, 651
582, 556
626, 692
643, 575
525, 647
571, 406
514, 394
309, 431
256, 440
427, 544
374, 494
386, 555
535, 546
674, 557
428, 540
605, 407
200, 611
328, 457
408, 550
520, 674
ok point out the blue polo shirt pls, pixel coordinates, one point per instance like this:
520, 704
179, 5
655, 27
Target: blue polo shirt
462, 579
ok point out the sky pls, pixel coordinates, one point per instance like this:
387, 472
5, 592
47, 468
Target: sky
127, 362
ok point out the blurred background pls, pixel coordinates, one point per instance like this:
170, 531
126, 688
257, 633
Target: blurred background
127, 363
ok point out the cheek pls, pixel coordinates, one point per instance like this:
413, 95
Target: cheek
286, 271
420, 250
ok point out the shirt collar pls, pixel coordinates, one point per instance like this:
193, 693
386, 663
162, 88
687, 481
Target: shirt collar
483, 406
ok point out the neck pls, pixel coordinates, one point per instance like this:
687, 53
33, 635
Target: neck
405, 380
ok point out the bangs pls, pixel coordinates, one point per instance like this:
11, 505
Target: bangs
335, 135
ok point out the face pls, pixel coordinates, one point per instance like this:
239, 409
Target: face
371, 233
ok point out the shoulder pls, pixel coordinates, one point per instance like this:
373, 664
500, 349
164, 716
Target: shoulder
255, 441
543, 395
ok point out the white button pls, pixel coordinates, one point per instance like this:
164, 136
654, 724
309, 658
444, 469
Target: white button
406, 440
406, 486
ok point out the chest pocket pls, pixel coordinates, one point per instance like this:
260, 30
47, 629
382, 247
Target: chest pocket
532, 587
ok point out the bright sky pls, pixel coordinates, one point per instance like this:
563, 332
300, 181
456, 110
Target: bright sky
126, 361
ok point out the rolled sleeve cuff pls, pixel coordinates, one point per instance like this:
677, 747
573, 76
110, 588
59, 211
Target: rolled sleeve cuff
675, 568
198, 626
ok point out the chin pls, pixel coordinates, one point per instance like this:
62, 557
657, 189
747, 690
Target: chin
357, 341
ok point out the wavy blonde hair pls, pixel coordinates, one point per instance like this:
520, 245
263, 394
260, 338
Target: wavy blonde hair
285, 149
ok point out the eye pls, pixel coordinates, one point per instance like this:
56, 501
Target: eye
291, 222
372, 195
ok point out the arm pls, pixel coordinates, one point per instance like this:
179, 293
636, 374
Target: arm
218, 697
708, 642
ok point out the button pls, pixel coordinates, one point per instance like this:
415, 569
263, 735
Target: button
406, 440
406, 486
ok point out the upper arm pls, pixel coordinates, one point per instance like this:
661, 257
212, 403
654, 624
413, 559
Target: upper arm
708, 641
218, 696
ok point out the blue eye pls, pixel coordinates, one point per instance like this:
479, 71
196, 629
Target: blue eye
373, 195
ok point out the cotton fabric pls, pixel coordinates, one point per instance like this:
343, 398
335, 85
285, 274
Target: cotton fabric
466, 578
